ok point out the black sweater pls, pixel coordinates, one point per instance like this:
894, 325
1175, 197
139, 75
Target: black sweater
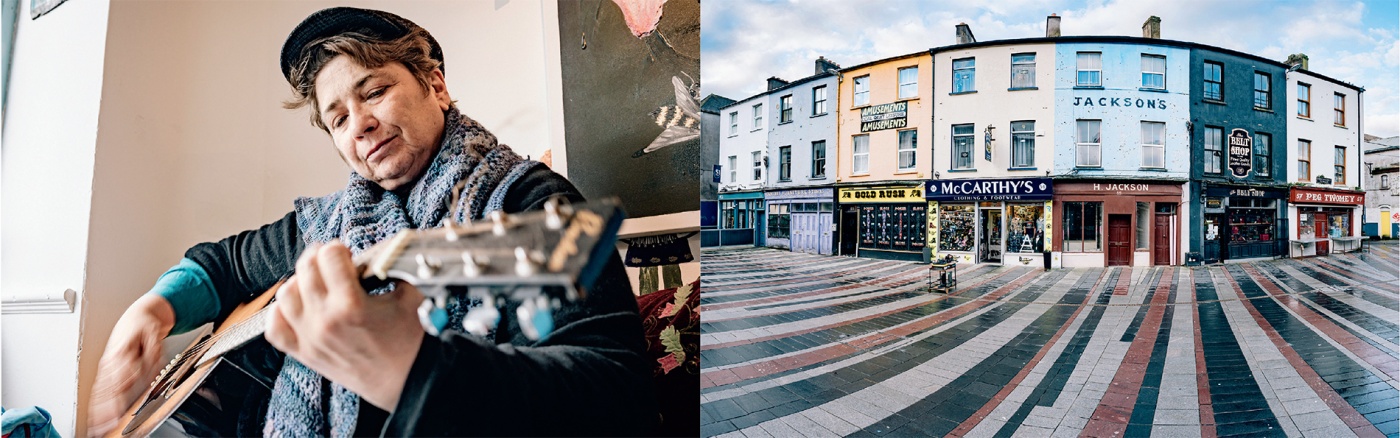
587, 378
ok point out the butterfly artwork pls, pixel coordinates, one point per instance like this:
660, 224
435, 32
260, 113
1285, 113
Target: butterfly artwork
680, 122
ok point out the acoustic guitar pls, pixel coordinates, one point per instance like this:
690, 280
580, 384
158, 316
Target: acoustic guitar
531, 262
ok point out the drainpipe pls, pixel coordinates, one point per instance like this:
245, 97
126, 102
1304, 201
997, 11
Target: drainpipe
1360, 154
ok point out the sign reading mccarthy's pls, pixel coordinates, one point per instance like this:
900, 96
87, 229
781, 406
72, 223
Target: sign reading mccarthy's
1018, 189
887, 116
1241, 153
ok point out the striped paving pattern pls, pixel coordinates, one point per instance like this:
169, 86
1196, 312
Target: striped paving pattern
802, 345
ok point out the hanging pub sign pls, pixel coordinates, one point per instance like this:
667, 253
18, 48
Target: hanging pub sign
887, 116
1018, 189
1241, 153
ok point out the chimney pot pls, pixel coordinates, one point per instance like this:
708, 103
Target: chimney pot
964, 34
1052, 26
1298, 59
824, 65
774, 82
1152, 28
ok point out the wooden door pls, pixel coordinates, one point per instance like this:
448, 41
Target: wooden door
1120, 239
1162, 240
1320, 232
824, 234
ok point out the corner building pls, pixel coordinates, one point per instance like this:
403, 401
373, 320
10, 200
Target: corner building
799, 193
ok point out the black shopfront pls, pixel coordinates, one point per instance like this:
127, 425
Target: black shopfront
1243, 223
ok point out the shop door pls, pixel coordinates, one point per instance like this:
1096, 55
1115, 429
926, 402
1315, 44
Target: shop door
1120, 235
824, 233
807, 229
760, 232
849, 218
1162, 240
1320, 232
991, 236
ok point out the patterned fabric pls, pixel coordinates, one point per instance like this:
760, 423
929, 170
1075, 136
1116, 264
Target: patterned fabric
671, 325
305, 404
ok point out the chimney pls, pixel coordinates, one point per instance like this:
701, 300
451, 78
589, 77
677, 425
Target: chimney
965, 34
1297, 60
1152, 28
774, 83
824, 64
1052, 26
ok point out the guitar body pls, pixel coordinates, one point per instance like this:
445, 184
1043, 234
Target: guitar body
193, 381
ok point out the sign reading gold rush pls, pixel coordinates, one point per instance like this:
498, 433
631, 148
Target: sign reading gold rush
1018, 189
887, 116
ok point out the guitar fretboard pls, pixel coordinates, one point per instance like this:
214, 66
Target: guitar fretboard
237, 335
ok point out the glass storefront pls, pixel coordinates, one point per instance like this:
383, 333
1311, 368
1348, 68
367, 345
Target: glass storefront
892, 227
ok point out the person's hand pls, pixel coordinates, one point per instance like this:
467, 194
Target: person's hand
325, 320
132, 356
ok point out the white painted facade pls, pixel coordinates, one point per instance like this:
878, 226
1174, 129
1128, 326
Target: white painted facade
743, 135
1315, 126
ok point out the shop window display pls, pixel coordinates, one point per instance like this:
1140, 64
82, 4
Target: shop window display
1083, 227
1027, 229
956, 227
1339, 225
778, 221
897, 227
1251, 221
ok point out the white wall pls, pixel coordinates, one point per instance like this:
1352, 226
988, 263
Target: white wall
995, 105
743, 143
190, 144
1322, 132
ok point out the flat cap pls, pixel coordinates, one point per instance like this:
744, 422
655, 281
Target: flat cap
339, 20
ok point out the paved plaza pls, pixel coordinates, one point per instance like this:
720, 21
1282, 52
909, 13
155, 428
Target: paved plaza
805, 345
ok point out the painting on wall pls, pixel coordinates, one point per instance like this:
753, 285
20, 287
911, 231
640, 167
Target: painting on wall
630, 71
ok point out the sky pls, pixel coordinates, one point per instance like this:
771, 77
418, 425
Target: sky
743, 42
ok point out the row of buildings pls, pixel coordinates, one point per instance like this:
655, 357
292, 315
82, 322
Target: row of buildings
1088, 150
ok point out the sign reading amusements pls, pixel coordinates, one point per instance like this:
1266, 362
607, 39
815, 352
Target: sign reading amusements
1241, 153
887, 116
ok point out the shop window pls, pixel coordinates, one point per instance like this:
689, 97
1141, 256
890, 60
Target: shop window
1304, 160
1263, 154
962, 146
1144, 225
1154, 153
908, 144
784, 163
1027, 229
778, 221
1088, 69
1339, 225
896, 227
1086, 151
1339, 166
1263, 91
908, 82
1215, 154
785, 109
1214, 86
1305, 225
860, 92
726, 214
819, 100
1339, 109
1023, 70
1304, 100
860, 154
964, 75
1154, 71
1251, 221
957, 227
1083, 227
819, 159
1023, 144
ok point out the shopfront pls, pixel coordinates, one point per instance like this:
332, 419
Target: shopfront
883, 222
998, 221
741, 218
1327, 220
1243, 223
1118, 223
801, 220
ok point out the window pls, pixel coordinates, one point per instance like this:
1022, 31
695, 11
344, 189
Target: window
1089, 67
1304, 160
1086, 151
734, 123
908, 142
785, 163
1263, 97
1215, 152
1263, 154
1154, 71
1339, 109
1304, 100
819, 100
1153, 144
1083, 224
962, 146
1339, 166
908, 82
860, 94
860, 154
1023, 70
1144, 225
1023, 144
757, 166
1215, 88
757, 115
964, 75
733, 168
778, 220
1385, 182
819, 159
785, 109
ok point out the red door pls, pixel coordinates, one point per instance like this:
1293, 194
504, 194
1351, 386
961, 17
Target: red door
1320, 232
1162, 240
1120, 234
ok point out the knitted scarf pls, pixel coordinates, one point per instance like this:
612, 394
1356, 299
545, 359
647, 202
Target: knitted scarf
303, 403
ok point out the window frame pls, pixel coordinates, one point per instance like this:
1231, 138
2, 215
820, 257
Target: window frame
733, 168
860, 91
1080, 146
1304, 160
1267, 92
1219, 162
785, 163
1304, 91
1339, 109
1098, 221
785, 109
1339, 165
1160, 147
1146, 73
818, 159
758, 116
734, 123
1263, 162
1025, 158
1028, 66
1219, 81
970, 138
911, 149
913, 86
818, 105
969, 68
1385, 182
1080, 69
857, 155
758, 166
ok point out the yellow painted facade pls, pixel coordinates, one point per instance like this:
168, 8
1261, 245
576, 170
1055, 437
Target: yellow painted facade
881, 107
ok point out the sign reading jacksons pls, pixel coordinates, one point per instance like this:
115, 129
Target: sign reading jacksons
1120, 102
1241, 153
1019, 189
887, 116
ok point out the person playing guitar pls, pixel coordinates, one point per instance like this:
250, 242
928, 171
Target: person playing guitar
352, 359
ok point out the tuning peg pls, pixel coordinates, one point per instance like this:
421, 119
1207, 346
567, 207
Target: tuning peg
552, 219
525, 266
427, 266
432, 315
499, 221
536, 318
451, 232
481, 320
471, 265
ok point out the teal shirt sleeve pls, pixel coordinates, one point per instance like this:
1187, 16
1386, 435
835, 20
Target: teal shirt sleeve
190, 292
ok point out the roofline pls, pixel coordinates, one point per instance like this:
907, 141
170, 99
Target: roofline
1106, 39
1383, 149
1325, 77
892, 58
784, 87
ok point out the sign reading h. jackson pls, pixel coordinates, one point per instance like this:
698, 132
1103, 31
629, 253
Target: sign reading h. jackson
1241, 153
887, 116
1019, 189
